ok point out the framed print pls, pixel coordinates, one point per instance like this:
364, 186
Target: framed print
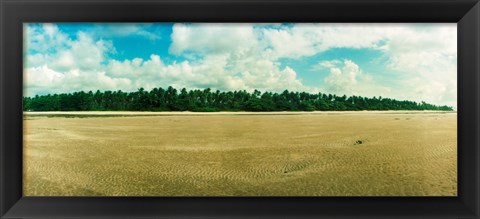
239, 109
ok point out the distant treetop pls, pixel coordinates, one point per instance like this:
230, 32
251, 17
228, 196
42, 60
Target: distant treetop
171, 99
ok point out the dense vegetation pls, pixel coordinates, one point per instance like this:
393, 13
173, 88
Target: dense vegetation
170, 99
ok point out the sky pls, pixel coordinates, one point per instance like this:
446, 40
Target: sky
402, 61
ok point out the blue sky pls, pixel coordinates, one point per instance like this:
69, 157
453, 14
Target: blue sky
403, 61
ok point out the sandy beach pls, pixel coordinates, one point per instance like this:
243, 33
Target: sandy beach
361, 153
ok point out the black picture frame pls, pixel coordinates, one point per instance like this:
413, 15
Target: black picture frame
466, 13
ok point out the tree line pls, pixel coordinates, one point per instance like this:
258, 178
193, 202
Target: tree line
206, 100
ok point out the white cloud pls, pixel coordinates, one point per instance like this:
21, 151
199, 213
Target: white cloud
43, 80
232, 56
326, 64
83, 53
347, 78
302, 40
124, 29
61, 64
44, 38
65, 54
211, 38
214, 71
289, 43
427, 58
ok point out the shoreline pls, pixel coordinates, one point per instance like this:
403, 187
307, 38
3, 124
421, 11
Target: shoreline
149, 113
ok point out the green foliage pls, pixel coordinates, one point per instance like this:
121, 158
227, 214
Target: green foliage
205, 100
